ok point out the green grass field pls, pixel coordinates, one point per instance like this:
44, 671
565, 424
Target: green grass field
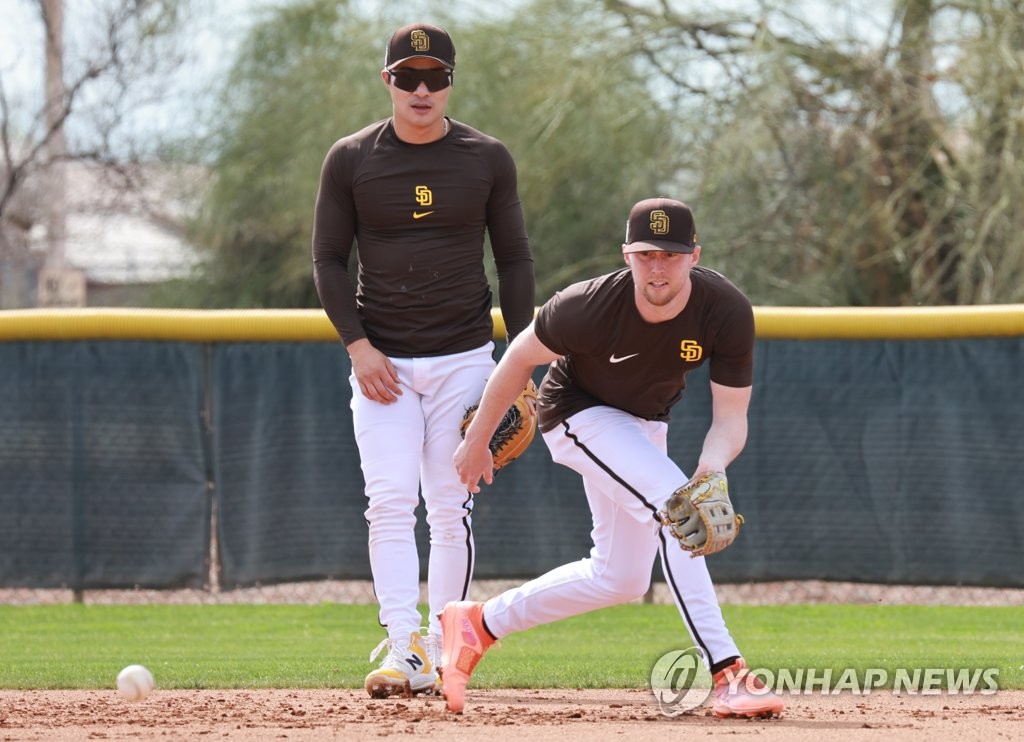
327, 645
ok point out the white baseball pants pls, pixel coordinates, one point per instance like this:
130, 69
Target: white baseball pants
406, 448
627, 476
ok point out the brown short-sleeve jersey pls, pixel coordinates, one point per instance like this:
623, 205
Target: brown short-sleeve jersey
418, 214
612, 356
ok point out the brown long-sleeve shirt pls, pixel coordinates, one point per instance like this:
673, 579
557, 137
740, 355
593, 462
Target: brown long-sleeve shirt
418, 214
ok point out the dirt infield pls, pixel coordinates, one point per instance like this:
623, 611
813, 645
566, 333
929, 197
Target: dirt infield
496, 715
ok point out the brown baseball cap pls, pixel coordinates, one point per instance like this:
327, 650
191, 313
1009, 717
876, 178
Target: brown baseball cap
660, 224
420, 40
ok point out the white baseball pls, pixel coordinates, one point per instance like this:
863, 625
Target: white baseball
135, 682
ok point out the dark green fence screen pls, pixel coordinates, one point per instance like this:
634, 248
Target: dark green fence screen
894, 461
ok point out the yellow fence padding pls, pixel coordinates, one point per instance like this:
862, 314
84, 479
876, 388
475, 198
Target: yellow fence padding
312, 325
893, 323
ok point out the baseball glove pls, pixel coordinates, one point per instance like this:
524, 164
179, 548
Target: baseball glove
700, 515
516, 429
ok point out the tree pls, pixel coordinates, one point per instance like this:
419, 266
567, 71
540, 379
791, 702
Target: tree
990, 74
577, 117
89, 94
855, 168
302, 76
589, 134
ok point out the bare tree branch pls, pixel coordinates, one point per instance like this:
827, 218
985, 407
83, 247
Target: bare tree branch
130, 30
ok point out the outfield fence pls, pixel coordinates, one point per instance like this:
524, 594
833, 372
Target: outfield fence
213, 451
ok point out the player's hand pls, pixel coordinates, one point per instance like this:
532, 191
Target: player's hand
473, 462
376, 375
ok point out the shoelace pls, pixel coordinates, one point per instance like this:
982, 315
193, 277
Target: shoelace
433, 644
385, 642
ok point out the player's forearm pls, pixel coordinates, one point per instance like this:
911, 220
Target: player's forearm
524, 354
333, 235
722, 444
728, 432
516, 295
502, 389
338, 299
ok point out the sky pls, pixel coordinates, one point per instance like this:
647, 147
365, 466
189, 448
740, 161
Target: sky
211, 38
224, 21
208, 44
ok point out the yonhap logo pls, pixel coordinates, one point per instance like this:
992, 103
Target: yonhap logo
680, 681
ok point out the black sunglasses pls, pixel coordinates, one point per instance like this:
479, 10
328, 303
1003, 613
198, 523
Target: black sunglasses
408, 79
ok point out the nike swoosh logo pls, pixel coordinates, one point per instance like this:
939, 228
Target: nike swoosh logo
420, 214
613, 359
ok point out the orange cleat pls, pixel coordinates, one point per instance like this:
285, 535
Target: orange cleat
464, 642
738, 692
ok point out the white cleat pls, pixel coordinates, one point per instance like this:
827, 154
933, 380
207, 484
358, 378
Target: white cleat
406, 670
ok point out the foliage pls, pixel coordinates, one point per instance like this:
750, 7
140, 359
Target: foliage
578, 119
588, 136
855, 168
299, 75
846, 153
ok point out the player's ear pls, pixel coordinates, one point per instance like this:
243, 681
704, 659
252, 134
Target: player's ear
696, 256
625, 257
385, 76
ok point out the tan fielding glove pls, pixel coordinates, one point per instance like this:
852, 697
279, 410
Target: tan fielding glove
516, 429
700, 515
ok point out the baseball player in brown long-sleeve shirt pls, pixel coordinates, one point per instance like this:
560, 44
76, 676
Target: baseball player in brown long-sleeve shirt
416, 193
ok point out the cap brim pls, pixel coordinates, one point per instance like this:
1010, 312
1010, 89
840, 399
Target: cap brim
658, 246
420, 56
